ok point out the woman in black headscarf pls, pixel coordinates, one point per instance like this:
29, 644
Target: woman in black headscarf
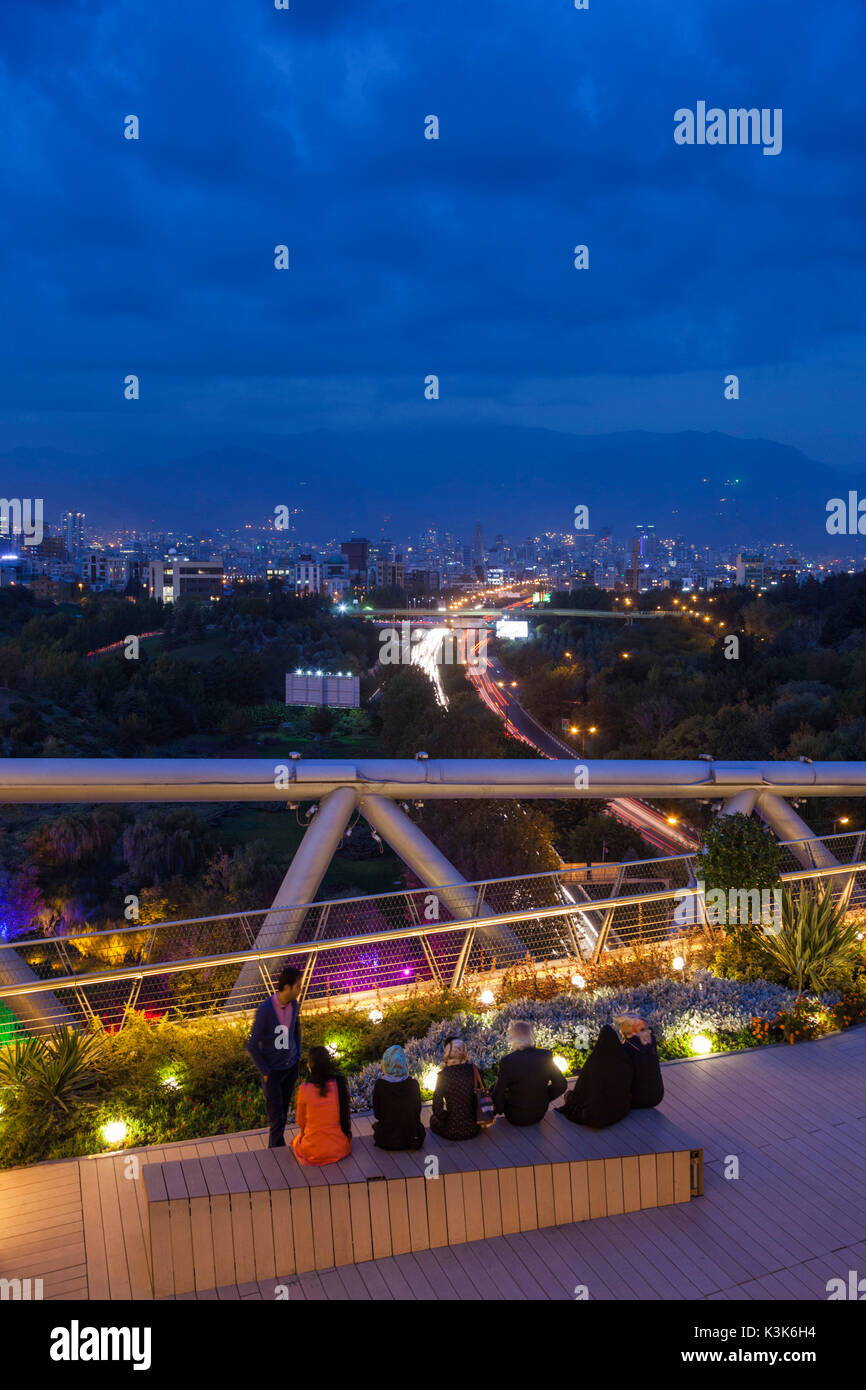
602, 1093
647, 1087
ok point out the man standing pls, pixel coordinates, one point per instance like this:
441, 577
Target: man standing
275, 1046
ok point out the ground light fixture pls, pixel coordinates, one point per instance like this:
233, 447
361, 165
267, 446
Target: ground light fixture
487, 996
114, 1132
678, 963
701, 1044
561, 1062
171, 1083
430, 1078
375, 1015
332, 1049
578, 981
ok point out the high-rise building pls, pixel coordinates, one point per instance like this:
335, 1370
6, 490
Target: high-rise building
750, 571
357, 553
307, 575
390, 574
72, 531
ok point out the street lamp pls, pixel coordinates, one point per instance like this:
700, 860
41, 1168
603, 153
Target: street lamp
576, 729
840, 820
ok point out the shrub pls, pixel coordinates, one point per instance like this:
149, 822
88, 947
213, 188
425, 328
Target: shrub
738, 852
815, 948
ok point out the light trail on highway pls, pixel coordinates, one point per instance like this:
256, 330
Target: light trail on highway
650, 824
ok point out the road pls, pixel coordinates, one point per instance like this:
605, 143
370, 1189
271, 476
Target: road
497, 688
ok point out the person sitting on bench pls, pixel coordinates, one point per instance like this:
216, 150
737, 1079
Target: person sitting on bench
454, 1114
322, 1113
602, 1092
647, 1087
528, 1079
397, 1105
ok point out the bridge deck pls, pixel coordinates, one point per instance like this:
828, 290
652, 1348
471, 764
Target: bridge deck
794, 1117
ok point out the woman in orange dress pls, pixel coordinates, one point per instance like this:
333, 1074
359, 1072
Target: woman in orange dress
322, 1113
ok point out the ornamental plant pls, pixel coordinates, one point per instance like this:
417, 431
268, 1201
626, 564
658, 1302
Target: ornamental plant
739, 854
816, 948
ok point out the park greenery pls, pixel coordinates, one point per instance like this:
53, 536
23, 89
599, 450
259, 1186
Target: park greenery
211, 685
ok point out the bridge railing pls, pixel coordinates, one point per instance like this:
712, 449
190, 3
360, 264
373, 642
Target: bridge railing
364, 948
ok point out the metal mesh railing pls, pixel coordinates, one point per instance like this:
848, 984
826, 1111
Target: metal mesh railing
361, 947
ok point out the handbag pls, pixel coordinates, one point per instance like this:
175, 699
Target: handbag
485, 1115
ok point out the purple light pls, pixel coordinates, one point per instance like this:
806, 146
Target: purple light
407, 971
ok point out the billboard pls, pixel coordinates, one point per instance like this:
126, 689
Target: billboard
512, 627
316, 688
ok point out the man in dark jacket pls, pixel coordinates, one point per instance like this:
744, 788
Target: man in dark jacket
528, 1079
275, 1046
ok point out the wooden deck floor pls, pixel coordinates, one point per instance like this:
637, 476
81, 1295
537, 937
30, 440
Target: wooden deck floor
793, 1118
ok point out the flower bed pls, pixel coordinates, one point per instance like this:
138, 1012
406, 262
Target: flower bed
162, 1082
720, 1012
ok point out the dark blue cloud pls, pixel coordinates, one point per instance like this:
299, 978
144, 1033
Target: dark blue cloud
412, 256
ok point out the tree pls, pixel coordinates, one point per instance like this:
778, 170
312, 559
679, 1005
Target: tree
163, 846
76, 837
491, 839
20, 902
738, 853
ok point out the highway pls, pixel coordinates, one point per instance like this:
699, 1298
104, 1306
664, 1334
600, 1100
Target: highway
497, 688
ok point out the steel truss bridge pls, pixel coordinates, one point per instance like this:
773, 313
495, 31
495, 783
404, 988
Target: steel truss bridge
444, 929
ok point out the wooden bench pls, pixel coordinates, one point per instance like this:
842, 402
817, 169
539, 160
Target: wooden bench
243, 1217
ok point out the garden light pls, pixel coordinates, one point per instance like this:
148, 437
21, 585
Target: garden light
115, 1132
701, 1044
171, 1082
678, 963
578, 981
332, 1049
375, 1015
430, 1078
487, 996
561, 1062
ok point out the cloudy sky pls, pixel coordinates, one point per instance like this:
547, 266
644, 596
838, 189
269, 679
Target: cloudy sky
412, 256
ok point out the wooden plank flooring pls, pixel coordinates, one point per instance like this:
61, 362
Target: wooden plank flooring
793, 1119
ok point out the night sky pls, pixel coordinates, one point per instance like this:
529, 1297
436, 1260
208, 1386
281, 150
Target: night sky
410, 256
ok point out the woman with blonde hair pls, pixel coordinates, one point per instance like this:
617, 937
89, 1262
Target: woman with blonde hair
647, 1087
454, 1106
